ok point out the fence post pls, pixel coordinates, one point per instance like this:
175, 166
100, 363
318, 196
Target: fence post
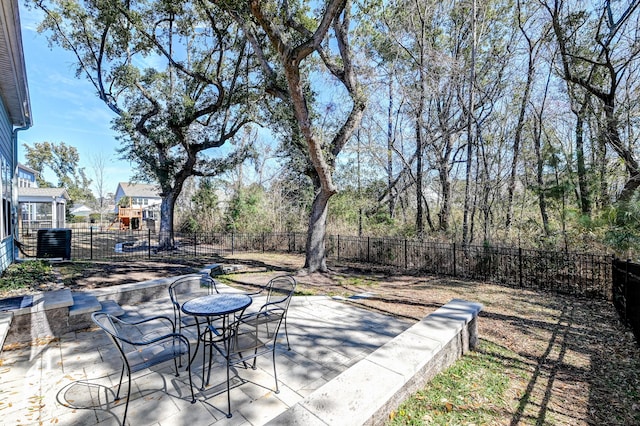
263, 242
626, 292
233, 235
91, 242
406, 261
195, 244
368, 247
520, 266
455, 261
612, 287
149, 243
338, 250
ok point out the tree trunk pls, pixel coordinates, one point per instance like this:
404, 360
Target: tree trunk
315, 259
419, 213
167, 207
419, 126
518, 137
484, 183
583, 185
445, 206
542, 202
359, 185
315, 254
601, 160
170, 192
444, 168
612, 136
290, 55
392, 201
471, 107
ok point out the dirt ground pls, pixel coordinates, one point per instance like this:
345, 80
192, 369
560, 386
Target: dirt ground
573, 363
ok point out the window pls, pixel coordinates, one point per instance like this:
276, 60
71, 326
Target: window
25, 179
5, 189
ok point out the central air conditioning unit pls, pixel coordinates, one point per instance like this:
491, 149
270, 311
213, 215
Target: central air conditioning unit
54, 243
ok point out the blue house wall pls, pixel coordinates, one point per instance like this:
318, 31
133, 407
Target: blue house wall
6, 143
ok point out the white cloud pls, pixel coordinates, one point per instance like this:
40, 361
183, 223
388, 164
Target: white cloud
30, 18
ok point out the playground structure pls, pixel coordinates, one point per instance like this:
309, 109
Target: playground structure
128, 218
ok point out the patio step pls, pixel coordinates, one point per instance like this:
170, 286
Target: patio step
5, 322
217, 269
111, 307
87, 303
84, 303
49, 314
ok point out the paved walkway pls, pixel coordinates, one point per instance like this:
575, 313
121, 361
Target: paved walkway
73, 380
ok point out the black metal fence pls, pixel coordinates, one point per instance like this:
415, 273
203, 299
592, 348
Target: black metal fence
97, 244
588, 275
626, 293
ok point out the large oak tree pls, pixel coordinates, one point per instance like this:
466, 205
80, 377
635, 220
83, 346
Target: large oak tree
175, 75
287, 38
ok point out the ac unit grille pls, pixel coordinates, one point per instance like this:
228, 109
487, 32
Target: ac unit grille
54, 243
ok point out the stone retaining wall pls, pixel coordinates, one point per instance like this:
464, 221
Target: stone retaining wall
48, 316
370, 390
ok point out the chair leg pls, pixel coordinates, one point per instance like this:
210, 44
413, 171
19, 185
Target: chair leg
228, 394
197, 342
255, 359
126, 404
180, 360
176, 366
193, 397
210, 360
275, 375
286, 332
204, 360
178, 363
120, 383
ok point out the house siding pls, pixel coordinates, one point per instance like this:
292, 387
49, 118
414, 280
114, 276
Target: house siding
6, 130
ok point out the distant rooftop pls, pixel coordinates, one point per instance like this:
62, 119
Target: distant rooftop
139, 190
44, 192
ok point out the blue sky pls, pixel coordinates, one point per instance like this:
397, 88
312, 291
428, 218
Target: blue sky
65, 108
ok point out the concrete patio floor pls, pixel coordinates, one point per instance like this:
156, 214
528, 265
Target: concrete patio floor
73, 380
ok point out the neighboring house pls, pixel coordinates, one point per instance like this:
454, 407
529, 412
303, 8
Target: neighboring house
15, 115
42, 208
27, 177
39, 207
141, 203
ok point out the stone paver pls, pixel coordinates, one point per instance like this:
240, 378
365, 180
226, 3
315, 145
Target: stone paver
73, 380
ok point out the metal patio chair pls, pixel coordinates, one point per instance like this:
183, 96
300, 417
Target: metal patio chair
140, 350
185, 288
254, 334
274, 293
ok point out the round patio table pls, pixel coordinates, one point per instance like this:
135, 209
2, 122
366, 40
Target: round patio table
213, 307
